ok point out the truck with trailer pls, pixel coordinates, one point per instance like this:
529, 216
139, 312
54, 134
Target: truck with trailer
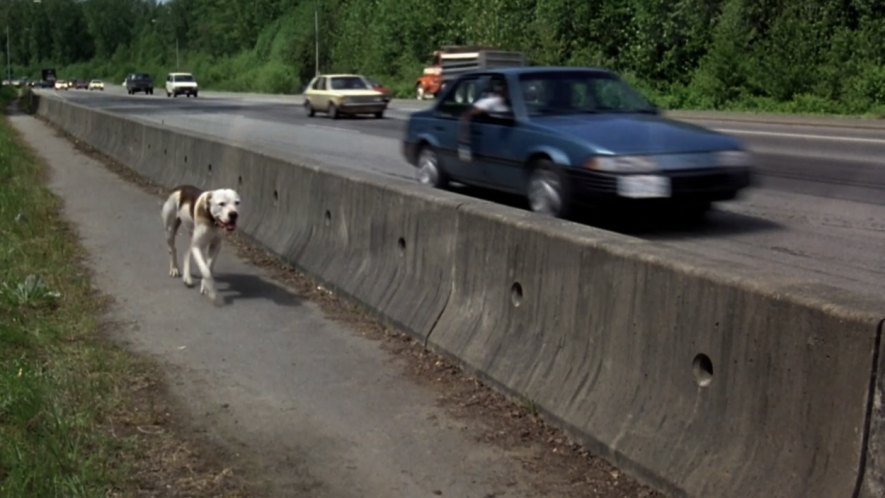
452, 61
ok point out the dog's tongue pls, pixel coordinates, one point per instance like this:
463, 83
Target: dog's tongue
230, 227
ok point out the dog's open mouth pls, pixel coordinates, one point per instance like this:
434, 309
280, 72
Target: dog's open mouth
230, 227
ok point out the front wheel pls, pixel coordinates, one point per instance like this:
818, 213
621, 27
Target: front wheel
429, 172
333, 111
308, 109
547, 192
379, 115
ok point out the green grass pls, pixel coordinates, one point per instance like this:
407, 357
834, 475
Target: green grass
58, 382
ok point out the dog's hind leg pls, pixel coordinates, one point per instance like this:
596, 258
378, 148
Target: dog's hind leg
171, 222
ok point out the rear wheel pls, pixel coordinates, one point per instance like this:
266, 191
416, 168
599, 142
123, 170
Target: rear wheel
379, 115
429, 172
547, 191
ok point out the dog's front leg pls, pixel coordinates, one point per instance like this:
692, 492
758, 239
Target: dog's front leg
214, 249
207, 285
186, 274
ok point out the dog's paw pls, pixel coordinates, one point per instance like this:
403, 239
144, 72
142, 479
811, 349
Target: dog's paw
207, 289
174, 273
188, 280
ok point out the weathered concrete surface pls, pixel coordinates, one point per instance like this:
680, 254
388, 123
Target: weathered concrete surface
613, 337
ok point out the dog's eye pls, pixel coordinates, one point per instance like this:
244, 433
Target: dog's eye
236, 203
221, 204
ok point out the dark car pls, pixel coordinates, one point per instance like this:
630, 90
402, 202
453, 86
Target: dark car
139, 82
573, 136
80, 85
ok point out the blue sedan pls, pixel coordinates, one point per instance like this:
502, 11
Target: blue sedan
571, 137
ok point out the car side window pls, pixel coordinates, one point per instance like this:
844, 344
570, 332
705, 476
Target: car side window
320, 84
461, 98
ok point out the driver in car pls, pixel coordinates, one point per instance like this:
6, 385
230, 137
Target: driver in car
495, 102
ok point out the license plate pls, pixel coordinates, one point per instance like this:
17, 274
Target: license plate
644, 186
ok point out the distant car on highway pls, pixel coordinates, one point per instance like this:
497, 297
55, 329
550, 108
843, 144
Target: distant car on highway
139, 82
337, 94
96, 85
573, 137
80, 85
181, 84
62, 84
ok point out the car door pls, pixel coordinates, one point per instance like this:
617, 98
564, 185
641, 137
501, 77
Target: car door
447, 125
494, 144
322, 94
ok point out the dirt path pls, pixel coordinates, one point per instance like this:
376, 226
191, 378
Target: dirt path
292, 386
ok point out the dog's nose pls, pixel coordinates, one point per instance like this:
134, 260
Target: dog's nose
233, 215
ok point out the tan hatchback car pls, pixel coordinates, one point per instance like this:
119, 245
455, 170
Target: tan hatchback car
337, 94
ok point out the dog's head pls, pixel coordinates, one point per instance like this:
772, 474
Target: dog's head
224, 205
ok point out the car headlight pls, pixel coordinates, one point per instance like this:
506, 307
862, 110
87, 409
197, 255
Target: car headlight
622, 164
733, 158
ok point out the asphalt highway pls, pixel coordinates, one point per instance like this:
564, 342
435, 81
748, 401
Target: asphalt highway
817, 213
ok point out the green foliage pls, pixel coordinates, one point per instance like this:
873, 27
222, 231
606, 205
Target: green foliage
815, 55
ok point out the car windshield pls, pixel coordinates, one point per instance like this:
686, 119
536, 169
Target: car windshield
184, 77
349, 83
142, 77
579, 92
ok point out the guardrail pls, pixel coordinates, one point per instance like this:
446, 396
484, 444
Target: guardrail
699, 380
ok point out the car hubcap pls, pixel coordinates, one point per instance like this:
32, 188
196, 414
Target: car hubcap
428, 172
545, 193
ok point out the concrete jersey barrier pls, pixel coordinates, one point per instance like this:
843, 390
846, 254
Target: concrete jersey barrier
699, 381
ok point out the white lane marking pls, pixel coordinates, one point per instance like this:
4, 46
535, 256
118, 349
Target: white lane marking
878, 141
333, 128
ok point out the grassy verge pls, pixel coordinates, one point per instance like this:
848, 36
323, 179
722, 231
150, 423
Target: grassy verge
78, 415
54, 384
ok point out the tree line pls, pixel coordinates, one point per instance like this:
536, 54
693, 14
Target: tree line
809, 55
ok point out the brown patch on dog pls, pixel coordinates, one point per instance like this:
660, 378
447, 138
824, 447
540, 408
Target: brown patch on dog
187, 196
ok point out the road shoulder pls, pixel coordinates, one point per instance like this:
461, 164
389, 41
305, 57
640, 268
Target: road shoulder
292, 381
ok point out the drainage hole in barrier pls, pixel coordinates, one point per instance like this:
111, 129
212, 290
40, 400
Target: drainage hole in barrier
239, 180
276, 196
185, 159
401, 243
516, 294
165, 152
703, 370
210, 167
149, 146
328, 217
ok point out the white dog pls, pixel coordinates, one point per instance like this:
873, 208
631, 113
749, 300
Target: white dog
204, 214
